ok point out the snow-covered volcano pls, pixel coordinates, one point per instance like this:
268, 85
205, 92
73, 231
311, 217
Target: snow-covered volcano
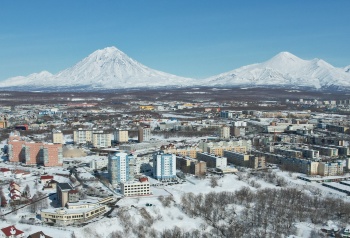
108, 68
285, 69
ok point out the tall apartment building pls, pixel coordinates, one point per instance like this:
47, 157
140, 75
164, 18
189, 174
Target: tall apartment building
144, 134
121, 167
101, 139
81, 136
57, 137
121, 135
164, 166
33, 153
212, 160
224, 132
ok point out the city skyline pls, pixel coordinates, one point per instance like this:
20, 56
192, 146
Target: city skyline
190, 39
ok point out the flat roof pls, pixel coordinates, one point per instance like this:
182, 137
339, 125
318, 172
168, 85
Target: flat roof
65, 186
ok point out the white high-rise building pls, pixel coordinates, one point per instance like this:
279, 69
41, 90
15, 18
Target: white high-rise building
164, 166
120, 167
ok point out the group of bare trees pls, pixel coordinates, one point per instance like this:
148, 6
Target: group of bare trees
265, 213
39, 201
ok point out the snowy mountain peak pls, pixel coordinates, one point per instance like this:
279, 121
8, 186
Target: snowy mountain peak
285, 69
107, 68
347, 69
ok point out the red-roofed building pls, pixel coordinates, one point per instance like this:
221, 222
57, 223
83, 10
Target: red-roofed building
5, 172
14, 185
12, 232
46, 179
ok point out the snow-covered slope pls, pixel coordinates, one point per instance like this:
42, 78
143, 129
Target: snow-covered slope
285, 69
108, 68
347, 69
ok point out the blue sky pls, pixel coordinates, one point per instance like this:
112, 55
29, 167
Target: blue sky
192, 38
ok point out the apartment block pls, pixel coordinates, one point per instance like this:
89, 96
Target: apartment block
164, 166
57, 137
144, 134
224, 132
33, 153
330, 169
186, 152
198, 168
236, 158
121, 167
101, 139
121, 136
81, 136
212, 160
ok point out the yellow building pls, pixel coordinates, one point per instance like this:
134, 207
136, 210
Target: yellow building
147, 107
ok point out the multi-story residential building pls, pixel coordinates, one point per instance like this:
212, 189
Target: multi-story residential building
81, 136
121, 135
330, 169
218, 148
144, 134
57, 137
186, 152
198, 168
256, 162
33, 153
327, 151
63, 190
101, 139
99, 163
236, 158
212, 160
136, 188
224, 132
164, 166
121, 167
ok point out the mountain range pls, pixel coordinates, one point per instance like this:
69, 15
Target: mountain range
110, 68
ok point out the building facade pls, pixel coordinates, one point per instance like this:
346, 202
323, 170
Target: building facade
121, 136
121, 167
101, 139
33, 153
144, 134
164, 166
136, 188
57, 137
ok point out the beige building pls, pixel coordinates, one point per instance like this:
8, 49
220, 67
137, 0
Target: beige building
81, 136
218, 148
224, 132
136, 188
330, 169
121, 135
57, 137
186, 152
65, 216
101, 139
